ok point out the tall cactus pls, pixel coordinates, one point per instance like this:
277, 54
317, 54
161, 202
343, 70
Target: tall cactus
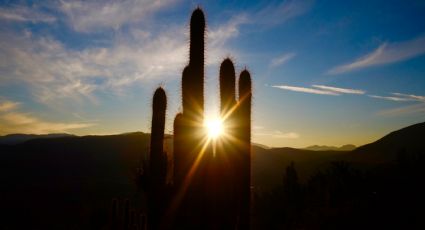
158, 159
208, 191
157, 170
188, 131
181, 166
227, 87
244, 120
236, 150
193, 83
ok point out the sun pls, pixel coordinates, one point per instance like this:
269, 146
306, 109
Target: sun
214, 128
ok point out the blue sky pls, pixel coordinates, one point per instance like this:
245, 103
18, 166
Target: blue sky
324, 72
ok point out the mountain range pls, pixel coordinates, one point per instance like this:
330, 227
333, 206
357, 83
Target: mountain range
69, 175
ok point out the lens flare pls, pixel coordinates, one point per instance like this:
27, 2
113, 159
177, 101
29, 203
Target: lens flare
214, 128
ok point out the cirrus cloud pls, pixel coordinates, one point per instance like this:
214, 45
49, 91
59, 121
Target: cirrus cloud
53, 72
400, 97
86, 16
281, 59
278, 134
386, 53
19, 13
340, 90
321, 89
305, 90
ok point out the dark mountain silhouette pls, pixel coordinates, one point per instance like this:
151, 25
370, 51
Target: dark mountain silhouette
13, 139
376, 186
347, 147
409, 139
75, 178
269, 163
49, 182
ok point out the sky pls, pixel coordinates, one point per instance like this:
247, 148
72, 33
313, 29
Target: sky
324, 72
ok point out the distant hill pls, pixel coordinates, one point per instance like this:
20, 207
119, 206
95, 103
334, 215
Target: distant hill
73, 178
348, 147
409, 139
13, 139
269, 164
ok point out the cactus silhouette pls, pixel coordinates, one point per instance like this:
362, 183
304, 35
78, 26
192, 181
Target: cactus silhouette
244, 134
158, 159
227, 86
157, 170
209, 190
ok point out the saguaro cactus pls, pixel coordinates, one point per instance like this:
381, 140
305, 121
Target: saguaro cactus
235, 151
244, 121
208, 191
157, 170
193, 75
158, 159
227, 87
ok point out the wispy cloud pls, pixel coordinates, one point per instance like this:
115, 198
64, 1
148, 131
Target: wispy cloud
411, 96
278, 134
25, 14
305, 90
400, 97
281, 59
8, 106
416, 108
25, 123
13, 121
340, 90
54, 72
86, 16
321, 89
290, 135
49, 69
405, 110
385, 54
217, 37
389, 98
257, 127
278, 13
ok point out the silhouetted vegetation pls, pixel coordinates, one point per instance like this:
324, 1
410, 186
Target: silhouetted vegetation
343, 197
124, 216
211, 184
